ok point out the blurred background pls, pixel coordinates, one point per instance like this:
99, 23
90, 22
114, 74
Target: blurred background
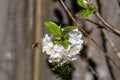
21, 24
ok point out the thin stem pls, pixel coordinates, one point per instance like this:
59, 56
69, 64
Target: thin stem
100, 26
86, 34
109, 26
110, 41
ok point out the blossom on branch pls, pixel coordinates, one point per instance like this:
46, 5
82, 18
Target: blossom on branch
62, 46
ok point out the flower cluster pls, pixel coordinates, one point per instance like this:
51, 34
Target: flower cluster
60, 54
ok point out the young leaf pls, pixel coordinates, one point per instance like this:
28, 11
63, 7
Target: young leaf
88, 13
68, 29
88, 9
53, 28
85, 12
57, 40
82, 3
82, 12
65, 43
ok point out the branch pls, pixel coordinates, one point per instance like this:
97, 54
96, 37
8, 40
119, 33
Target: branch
99, 25
86, 34
110, 41
109, 26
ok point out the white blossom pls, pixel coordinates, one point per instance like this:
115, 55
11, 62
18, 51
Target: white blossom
59, 48
49, 48
55, 57
72, 57
75, 37
46, 40
75, 49
85, 1
57, 53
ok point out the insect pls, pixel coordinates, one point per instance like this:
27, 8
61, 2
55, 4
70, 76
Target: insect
35, 45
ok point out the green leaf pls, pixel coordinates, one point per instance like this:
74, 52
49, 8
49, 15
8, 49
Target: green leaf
57, 41
81, 3
68, 29
65, 71
65, 42
82, 12
88, 13
53, 28
91, 7
85, 12
88, 9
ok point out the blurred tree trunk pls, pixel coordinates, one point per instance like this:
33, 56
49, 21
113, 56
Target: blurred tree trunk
16, 38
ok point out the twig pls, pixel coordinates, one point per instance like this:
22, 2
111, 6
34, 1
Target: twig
115, 49
86, 34
99, 25
107, 37
109, 26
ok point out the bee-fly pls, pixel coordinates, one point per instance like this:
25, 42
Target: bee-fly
35, 45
